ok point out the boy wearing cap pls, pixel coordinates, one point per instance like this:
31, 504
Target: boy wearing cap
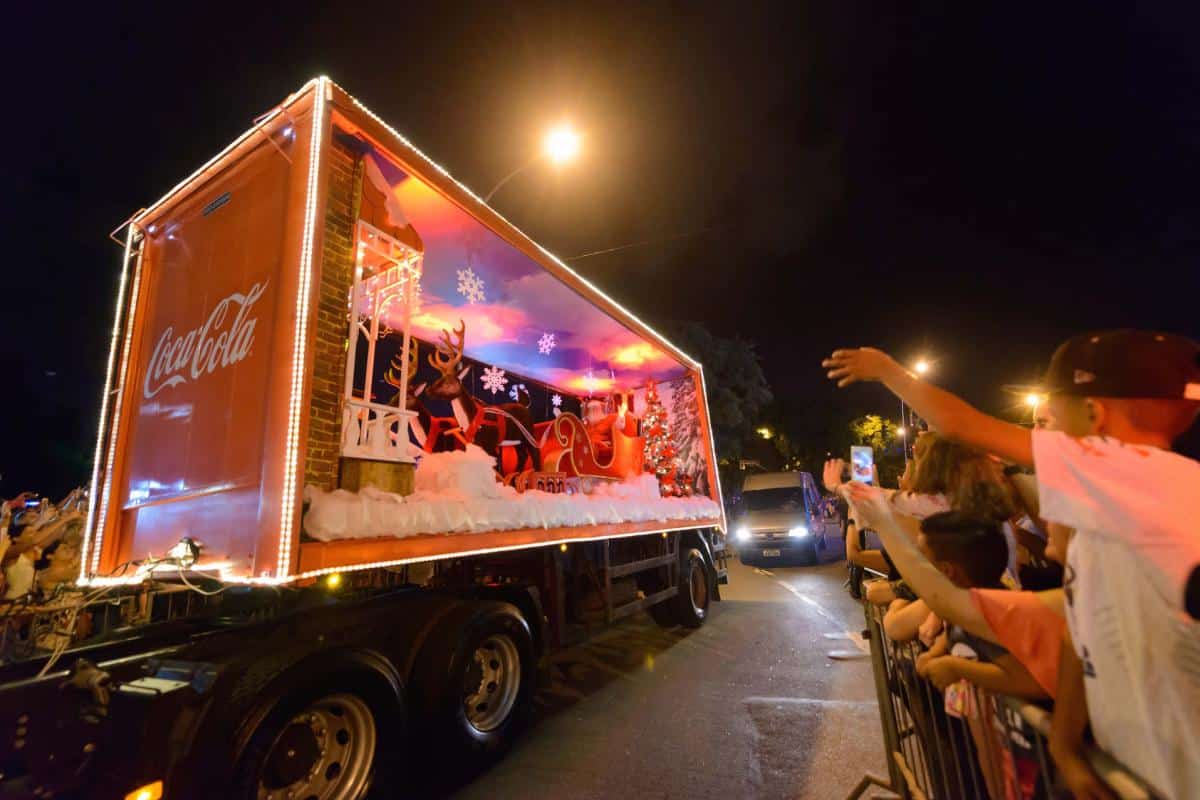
1119, 399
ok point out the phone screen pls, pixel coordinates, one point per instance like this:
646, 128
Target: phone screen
861, 461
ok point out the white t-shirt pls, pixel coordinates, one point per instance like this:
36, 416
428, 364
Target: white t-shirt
1136, 512
918, 506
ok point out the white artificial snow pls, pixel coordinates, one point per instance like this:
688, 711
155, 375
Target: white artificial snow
457, 492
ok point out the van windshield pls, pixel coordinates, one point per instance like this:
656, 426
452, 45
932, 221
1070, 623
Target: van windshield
789, 498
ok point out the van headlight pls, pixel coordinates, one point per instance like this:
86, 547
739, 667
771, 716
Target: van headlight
798, 532
742, 534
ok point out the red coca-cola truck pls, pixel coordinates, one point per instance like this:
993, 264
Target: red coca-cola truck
365, 453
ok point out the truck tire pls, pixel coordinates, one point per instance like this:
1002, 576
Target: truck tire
689, 607
695, 589
326, 743
477, 676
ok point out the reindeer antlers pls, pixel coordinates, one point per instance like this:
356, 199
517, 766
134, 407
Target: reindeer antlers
453, 353
392, 376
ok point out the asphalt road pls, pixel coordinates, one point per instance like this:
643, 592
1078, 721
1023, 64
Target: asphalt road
749, 706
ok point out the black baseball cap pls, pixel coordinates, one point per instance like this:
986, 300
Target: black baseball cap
1125, 363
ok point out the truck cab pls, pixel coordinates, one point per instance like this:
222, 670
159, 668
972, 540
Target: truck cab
782, 518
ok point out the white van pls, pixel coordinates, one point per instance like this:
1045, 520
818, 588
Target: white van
782, 516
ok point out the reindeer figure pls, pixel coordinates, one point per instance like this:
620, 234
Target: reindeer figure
502, 423
420, 424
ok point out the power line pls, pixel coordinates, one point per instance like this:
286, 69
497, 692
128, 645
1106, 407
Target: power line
639, 244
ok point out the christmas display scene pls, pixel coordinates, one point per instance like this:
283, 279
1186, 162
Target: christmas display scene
518, 403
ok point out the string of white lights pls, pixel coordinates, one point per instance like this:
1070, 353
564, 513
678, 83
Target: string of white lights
712, 443
299, 343
280, 110
276, 580
94, 495
98, 542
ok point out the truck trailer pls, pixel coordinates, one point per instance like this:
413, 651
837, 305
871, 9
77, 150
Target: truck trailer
366, 454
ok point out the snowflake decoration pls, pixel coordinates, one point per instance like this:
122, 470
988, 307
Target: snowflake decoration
546, 344
470, 286
556, 401
515, 391
494, 380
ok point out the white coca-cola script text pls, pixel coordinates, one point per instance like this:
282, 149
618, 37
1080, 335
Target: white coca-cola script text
204, 350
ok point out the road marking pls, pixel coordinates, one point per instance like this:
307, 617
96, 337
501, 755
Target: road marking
820, 609
761, 571
810, 701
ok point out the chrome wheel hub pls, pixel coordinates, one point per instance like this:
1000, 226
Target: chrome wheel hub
492, 683
698, 589
326, 752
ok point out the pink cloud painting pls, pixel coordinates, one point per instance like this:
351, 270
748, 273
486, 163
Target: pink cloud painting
507, 300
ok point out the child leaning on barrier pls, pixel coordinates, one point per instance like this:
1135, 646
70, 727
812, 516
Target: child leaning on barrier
1119, 399
973, 554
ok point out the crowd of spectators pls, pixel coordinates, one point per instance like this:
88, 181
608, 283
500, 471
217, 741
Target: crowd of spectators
1078, 585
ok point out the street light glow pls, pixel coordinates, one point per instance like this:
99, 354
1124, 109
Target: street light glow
921, 367
765, 432
1033, 400
900, 430
561, 144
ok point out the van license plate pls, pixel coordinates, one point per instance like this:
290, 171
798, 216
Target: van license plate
771, 553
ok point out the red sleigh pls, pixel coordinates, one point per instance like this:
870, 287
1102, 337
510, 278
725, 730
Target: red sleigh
567, 447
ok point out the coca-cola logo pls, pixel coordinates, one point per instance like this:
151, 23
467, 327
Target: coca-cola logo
203, 350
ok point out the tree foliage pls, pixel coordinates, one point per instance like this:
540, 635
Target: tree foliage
737, 386
874, 431
881, 436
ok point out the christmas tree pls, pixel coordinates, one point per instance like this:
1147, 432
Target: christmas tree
660, 450
685, 432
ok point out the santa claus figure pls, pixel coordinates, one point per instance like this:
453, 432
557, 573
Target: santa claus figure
604, 418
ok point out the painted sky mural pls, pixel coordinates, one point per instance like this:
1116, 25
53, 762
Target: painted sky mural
518, 316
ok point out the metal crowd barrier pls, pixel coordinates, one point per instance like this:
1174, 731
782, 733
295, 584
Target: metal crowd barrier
978, 745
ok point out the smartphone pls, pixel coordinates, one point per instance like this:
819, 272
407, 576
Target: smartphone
861, 461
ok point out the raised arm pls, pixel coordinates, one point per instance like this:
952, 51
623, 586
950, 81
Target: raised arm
946, 413
945, 599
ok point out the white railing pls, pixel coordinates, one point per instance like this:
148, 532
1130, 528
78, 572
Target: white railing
372, 430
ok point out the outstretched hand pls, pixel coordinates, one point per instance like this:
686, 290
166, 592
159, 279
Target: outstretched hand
832, 476
871, 506
859, 364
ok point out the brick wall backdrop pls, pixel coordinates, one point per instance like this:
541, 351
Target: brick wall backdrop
337, 274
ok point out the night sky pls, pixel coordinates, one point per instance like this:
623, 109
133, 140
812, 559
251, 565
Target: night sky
969, 183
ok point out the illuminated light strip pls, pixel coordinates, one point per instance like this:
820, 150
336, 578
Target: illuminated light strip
679, 354
94, 494
316, 573
299, 344
116, 417
716, 467
280, 110
130, 580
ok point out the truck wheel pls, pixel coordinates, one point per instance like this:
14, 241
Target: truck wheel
695, 589
479, 679
325, 748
